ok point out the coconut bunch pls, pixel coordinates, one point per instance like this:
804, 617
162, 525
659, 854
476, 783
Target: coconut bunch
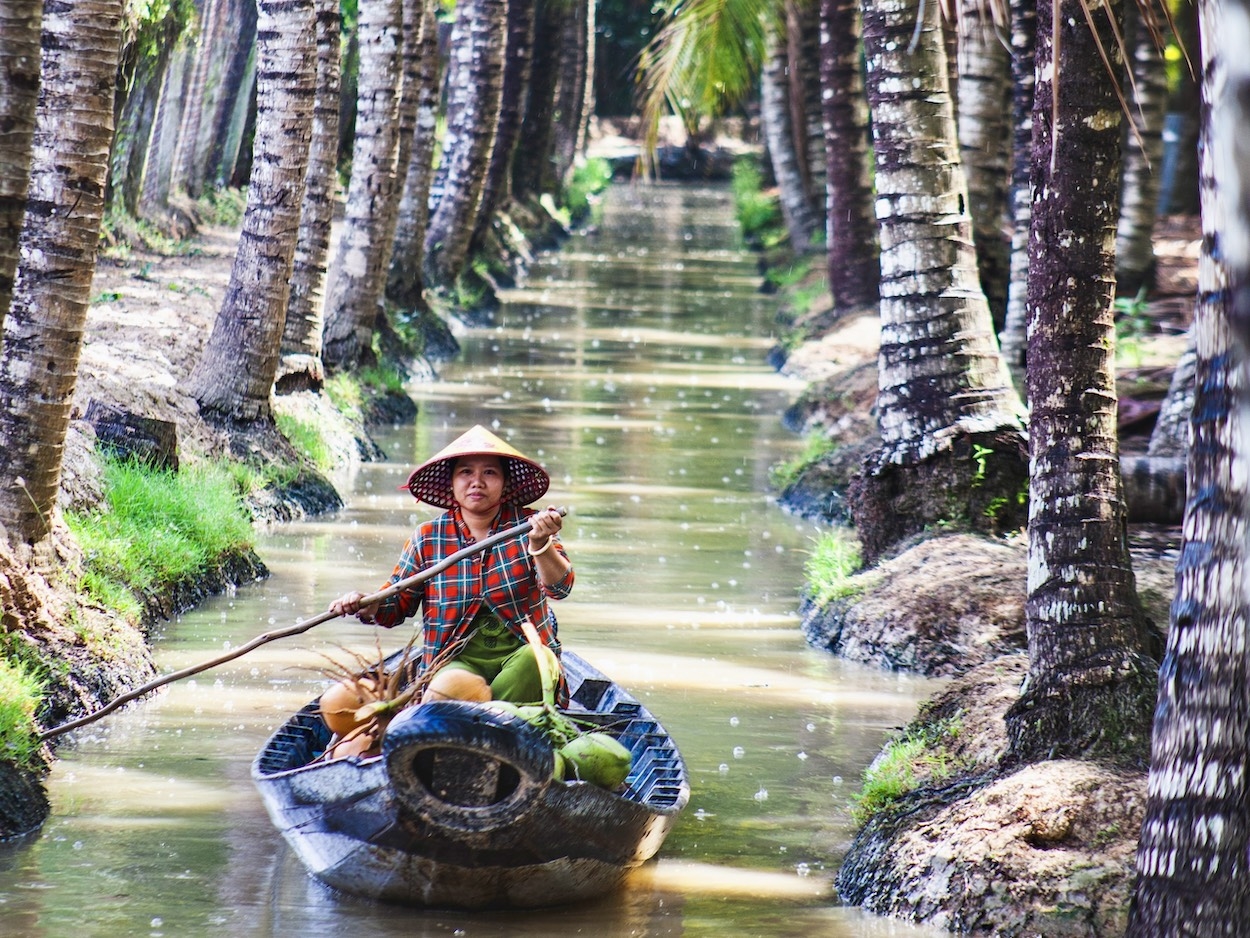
578, 755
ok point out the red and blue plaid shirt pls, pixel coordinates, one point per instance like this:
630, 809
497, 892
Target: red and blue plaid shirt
502, 579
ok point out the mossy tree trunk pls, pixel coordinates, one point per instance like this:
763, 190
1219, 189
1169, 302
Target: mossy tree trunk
1091, 685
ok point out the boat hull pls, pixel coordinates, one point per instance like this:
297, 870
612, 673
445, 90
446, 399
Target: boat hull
461, 810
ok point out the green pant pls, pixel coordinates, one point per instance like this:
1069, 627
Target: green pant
501, 659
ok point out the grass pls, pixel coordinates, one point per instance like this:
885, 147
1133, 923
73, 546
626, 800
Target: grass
917, 757
20, 692
758, 211
589, 179
158, 529
831, 568
816, 446
308, 439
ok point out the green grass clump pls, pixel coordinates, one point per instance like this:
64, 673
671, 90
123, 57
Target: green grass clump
159, 528
816, 446
20, 692
917, 757
758, 211
831, 566
589, 179
307, 438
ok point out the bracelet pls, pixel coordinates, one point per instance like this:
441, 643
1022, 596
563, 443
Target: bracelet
542, 550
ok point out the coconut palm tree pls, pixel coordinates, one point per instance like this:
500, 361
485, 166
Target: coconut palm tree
20, 22
405, 286
301, 336
1192, 856
516, 81
853, 264
233, 381
532, 172
354, 295
1143, 156
475, 89
781, 132
984, 115
1091, 684
949, 417
573, 93
42, 334
1023, 15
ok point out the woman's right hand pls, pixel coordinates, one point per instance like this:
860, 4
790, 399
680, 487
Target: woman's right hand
349, 605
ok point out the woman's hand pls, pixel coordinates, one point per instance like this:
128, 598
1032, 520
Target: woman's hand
349, 605
543, 525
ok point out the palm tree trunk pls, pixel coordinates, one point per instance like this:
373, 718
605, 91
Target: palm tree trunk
777, 119
516, 80
475, 83
985, 146
949, 418
1023, 35
1143, 164
306, 309
20, 22
1091, 684
854, 268
233, 381
356, 274
42, 336
405, 286
531, 168
1192, 855
570, 99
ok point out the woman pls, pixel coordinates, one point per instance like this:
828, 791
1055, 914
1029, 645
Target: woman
472, 612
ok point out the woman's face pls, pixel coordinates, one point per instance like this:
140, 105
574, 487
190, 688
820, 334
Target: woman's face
477, 484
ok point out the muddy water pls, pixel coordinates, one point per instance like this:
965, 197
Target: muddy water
631, 364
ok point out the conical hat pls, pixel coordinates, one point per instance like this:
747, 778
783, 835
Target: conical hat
431, 481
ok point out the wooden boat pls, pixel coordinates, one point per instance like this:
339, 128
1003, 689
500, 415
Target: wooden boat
461, 810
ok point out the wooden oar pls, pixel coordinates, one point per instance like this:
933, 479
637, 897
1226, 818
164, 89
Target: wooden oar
296, 629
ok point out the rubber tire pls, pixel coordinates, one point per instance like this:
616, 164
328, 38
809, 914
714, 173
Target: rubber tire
474, 729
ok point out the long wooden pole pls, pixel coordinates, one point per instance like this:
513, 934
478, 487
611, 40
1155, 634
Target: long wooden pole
296, 629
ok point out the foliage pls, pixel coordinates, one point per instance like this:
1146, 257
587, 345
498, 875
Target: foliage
915, 758
831, 568
588, 179
120, 232
223, 207
622, 30
159, 528
758, 211
307, 438
702, 62
148, 22
816, 446
20, 692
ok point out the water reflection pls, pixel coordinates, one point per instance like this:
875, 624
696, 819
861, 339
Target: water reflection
631, 364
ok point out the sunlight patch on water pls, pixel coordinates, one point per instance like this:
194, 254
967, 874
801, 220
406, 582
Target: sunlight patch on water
709, 879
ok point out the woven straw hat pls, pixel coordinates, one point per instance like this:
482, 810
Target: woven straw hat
430, 482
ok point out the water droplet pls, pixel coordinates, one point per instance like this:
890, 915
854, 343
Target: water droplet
803, 756
723, 768
803, 869
158, 922
761, 795
739, 752
837, 780
733, 721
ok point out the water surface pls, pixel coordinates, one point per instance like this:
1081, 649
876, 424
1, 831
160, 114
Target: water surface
631, 363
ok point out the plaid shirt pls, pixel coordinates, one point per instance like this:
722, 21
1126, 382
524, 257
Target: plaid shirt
502, 579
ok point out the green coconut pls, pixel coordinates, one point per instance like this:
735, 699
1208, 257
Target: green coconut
597, 758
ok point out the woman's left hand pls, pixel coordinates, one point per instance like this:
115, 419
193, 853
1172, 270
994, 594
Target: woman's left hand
543, 525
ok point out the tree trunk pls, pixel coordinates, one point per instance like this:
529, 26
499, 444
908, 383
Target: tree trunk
1192, 856
20, 22
516, 80
777, 119
947, 412
570, 98
306, 307
233, 381
357, 272
156, 181
985, 146
1170, 436
222, 155
42, 336
475, 83
1023, 35
1143, 164
531, 166
1092, 674
405, 286
854, 268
